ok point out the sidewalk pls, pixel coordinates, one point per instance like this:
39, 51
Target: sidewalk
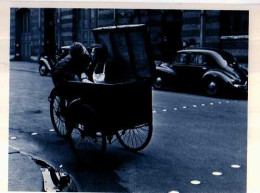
24, 66
23, 173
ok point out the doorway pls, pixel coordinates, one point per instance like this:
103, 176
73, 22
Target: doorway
23, 35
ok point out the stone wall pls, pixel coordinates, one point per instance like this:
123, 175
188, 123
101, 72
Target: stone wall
165, 26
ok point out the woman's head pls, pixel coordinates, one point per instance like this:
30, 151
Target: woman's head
99, 53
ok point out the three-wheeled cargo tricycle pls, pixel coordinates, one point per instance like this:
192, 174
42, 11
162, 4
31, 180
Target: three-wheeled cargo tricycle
119, 107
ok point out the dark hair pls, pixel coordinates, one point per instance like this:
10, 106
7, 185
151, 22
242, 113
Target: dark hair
101, 52
77, 49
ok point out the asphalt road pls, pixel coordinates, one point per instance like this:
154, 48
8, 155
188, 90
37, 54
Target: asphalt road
193, 137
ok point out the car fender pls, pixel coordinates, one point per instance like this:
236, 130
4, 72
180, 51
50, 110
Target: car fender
217, 75
165, 70
45, 62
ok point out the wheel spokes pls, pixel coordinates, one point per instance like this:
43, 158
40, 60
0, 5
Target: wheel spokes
136, 137
83, 142
58, 118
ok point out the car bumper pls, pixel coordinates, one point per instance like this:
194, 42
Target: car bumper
243, 87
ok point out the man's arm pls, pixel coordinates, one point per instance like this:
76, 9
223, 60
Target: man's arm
63, 64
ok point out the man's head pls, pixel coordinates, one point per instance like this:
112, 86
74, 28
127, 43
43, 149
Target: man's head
192, 42
77, 50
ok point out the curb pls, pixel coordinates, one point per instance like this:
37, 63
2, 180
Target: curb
44, 176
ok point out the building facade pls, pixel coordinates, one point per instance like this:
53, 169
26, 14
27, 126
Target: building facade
37, 31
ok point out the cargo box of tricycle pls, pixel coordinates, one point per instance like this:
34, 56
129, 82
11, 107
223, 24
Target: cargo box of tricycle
128, 50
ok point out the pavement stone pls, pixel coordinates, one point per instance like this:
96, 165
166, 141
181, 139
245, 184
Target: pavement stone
23, 174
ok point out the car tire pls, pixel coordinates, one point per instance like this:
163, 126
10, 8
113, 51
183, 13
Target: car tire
212, 87
158, 83
43, 70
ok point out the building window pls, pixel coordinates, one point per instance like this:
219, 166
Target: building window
25, 27
93, 13
94, 18
234, 23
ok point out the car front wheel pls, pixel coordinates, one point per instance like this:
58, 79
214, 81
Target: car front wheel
43, 70
211, 87
158, 83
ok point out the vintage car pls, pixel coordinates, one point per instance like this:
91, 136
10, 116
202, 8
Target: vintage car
214, 70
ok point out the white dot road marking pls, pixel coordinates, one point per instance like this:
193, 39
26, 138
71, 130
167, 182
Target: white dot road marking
227, 101
175, 109
194, 106
164, 110
174, 191
184, 107
51, 130
154, 111
203, 105
235, 166
195, 182
34, 134
217, 173
12, 138
219, 102
211, 103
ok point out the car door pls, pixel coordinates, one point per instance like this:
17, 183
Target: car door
180, 65
198, 65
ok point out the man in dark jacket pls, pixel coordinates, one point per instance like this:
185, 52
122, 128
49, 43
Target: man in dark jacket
72, 67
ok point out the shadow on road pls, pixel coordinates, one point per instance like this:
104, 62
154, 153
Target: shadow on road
99, 169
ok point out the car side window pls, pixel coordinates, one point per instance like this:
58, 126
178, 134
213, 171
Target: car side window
181, 58
201, 60
193, 58
198, 59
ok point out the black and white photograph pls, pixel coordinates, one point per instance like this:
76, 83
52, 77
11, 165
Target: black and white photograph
128, 100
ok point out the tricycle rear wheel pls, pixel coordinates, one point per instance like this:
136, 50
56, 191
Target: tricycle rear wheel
135, 139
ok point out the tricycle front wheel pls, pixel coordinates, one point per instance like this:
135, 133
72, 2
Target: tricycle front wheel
135, 139
57, 111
